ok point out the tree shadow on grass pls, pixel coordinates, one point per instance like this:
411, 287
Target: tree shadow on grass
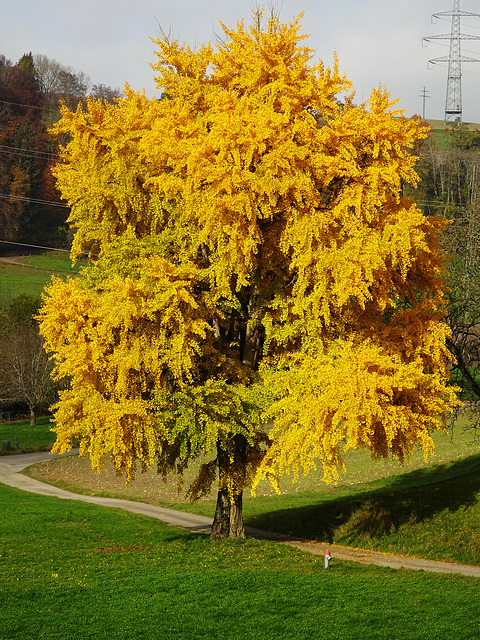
409, 498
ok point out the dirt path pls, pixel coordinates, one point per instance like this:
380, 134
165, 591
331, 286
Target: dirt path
10, 259
11, 468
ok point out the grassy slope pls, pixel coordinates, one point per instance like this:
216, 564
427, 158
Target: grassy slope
72, 570
38, 437
440, 131
424, 510
54, 262
16, 279
432, 513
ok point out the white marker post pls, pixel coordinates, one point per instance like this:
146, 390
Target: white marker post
328, 557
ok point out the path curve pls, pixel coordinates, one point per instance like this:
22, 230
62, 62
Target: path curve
11, 468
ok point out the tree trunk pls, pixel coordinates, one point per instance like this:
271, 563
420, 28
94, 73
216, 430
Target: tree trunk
221, 521
237, 530
32, 416
232, 462
228, 520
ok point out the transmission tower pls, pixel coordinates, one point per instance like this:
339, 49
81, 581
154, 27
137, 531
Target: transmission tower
453, 101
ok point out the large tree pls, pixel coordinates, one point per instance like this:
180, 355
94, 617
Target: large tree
253, 262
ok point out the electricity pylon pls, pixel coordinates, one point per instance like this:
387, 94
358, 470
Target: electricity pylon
424, 96
453, 101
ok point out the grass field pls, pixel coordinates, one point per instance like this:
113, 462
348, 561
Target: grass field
31, 280
424, 510
36, 438
73, 570
15, 280
58, 262
440, 131
76, 571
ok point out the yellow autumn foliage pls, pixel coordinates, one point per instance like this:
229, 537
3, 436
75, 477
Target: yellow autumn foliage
253, 259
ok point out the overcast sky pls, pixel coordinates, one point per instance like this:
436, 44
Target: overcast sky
378, 41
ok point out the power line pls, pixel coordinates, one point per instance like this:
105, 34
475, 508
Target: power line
33, 246
44, 155
36, 246
29, 106
34, 200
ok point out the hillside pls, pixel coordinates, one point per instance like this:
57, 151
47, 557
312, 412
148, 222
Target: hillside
30, 274
440, 130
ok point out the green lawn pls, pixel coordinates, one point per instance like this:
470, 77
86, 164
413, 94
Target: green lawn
38, 437
16, 279
423, 510
429, 513
55, 262
75, 571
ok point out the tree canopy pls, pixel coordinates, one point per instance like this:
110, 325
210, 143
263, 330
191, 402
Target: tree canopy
253, 262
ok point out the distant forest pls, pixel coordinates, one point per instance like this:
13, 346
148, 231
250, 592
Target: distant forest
31, 210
